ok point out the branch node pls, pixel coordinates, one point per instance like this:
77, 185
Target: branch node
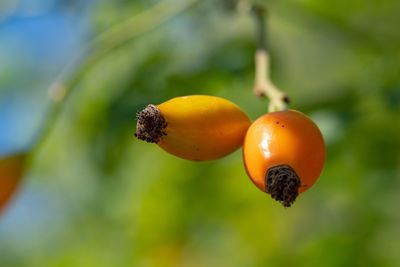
263, 86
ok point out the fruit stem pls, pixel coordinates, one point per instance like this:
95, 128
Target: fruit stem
263, 86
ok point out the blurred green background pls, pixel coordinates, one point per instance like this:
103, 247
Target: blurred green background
95, 196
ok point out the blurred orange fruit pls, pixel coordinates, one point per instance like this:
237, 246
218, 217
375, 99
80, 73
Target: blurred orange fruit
11, 171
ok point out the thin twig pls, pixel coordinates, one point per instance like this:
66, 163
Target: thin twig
101, 45
263, 86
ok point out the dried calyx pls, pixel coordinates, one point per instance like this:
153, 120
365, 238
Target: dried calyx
150, 124
282, 183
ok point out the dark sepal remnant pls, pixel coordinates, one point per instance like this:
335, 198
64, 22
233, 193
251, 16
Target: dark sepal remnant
150, 126
282, 183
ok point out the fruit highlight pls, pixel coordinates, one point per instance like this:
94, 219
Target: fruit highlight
196, 127
284, 154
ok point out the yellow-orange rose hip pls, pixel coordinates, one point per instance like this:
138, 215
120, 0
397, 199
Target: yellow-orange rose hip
196, 127
284, 154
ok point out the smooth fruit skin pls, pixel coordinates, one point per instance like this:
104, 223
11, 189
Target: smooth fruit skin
201, 127
285, 137
11, 171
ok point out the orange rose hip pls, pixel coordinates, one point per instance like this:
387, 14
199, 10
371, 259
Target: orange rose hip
284, 154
